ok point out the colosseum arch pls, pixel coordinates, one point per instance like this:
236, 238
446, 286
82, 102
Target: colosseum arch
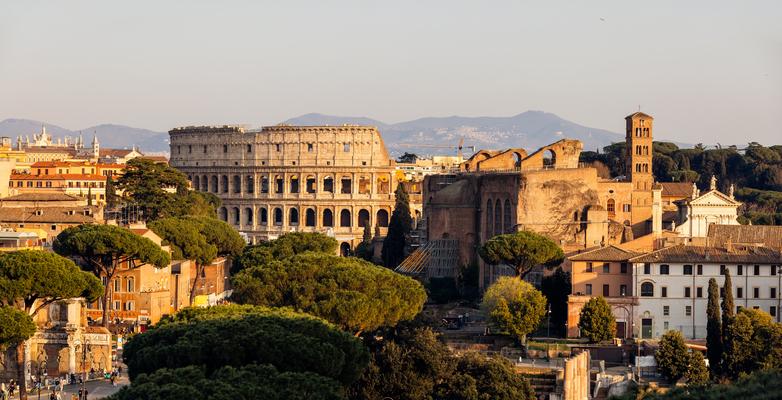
381, 219
311, 184
264, 220
328, 217
237, 184
328, 184
214, 185
344, 249
223, 213
345, 219
279, 184
278, 216
497, 218
264, 184
224, 184
250, 187
197, 183
293, 216
309, 217
383, 185
248, 215
204, 183
294, 184
235, 217
363, 218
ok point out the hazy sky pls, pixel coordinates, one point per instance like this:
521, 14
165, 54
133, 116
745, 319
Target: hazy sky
707, 70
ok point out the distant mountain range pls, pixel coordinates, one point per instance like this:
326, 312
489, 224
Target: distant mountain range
424, 136
109, 135
530, 130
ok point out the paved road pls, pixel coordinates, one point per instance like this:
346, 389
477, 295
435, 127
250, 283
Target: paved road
96, 389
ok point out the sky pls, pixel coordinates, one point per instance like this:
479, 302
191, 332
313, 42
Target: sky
708, 71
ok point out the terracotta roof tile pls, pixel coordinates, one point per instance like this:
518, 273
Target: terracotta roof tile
695, 254
677, 189
765, 235
607, 253
47, 215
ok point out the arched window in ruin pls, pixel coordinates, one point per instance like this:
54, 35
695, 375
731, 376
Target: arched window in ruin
611, 206
381, 219
197, 183
279, 184
346, 185
328, 184
311, 184
383, 184
516, 160
344, 218
328, 217
235, 215
223, 214
224, 184
248, 215
250, 187
264, 216
364, 184
497, 218
489, 218
294, 184
549, 158
204, 183
363, 218
278, 216
344, 249
293, 217
264, 184
506, 217
309, 217
237, 184
214, 184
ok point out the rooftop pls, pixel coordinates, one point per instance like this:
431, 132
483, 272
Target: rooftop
696, 254
763, 235
56, 196
607, 253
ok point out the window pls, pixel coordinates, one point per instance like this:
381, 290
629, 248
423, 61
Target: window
773, 311
688, 270
623, 290
755, 292
739, 292
610, 206
699, 291
647, 289
278, 147
664, 291
666, 310
117, 285
740, 270
623, 268
589, 267
130, 284
773, 293
665, 269
773, 270
606, 291
225, 148
687, 290
346, 147
129, 306
606, 268
647, 268
688, 311
626, 207
309, 148
757, 270
722, 269
700, 269
204, 149
665, 325
116, 305
54, 227
249, 148
589, 288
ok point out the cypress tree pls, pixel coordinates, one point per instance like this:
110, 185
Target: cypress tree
713, 328
111, 193
398, 228
728, 312
89, 196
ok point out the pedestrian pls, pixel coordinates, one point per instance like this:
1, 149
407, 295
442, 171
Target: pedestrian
86, 392
3, 395
119, 370
58, 396
52, 396
61, 384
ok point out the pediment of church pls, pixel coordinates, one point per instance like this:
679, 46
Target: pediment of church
714, 198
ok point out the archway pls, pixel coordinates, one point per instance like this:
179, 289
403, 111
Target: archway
309, 217
197, 183
344, 218
344, 249
264, 216
293, 217
235, 215
363, 218
516, 160
223, 214
381, 219
549, 158
248, 213
328, 217
278, 216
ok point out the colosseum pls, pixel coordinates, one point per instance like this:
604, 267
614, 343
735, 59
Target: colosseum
278, 179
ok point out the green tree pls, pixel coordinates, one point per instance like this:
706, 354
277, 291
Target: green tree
495, 378
30, 280
251, 381
713, 328
728, 312
753, 342
102, 249
596, 321
697, 372
112, 200
398, 228
15, 327
284, 247
514, 306
673, 358
762, 385
556, 287
288, 340
407, 158
365, 250
521, 250
200, 239
352, 293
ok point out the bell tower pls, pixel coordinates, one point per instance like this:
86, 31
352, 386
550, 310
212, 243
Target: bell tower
638, 167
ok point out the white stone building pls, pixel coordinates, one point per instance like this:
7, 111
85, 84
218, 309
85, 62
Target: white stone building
672, 285
695, 214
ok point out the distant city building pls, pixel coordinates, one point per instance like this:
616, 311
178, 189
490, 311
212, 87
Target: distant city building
330, 179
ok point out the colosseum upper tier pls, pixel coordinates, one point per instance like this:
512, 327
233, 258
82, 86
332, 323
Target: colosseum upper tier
278, 179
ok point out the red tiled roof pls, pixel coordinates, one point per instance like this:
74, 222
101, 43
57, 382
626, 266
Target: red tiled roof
607, 253
676, 189
765, 235
695, 254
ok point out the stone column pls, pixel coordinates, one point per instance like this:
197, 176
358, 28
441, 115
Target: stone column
71, 358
